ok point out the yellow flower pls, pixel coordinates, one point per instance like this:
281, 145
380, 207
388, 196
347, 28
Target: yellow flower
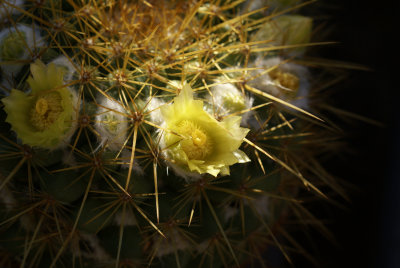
45, 116
196, 142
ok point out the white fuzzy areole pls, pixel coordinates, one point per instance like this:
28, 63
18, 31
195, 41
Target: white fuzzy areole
174, 242
265, 83
62, 61
114, 141
97, 252
125, 220
33, 41
6, 197
223, 88
153, 108
7, 10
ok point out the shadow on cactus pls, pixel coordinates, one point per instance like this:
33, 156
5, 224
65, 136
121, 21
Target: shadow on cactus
157, 133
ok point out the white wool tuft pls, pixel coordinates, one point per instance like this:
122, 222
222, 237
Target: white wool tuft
33, 39
263, 81
111, 124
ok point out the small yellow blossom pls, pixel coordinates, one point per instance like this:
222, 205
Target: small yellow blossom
196, 142
45, 116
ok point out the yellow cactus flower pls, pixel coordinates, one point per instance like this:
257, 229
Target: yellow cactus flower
196, 142
45, 116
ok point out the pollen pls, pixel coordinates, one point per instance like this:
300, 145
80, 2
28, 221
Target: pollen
196, 143
46, 110
287, 80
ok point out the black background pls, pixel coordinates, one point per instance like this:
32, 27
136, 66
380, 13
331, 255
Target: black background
368, 230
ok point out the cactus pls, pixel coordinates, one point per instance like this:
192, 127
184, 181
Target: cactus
156, 133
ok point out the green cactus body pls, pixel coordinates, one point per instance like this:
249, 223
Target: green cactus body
144, 134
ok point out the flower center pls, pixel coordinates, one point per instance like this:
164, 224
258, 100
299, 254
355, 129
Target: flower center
41, 106
196, 143
46, 110
111, 123
287, 80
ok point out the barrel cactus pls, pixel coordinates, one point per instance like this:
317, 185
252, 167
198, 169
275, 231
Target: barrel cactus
156, 133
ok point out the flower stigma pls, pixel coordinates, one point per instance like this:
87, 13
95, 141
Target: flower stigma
46, 110
196, 144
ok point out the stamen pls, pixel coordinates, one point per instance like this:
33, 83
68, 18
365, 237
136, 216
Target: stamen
46, 110
196, 144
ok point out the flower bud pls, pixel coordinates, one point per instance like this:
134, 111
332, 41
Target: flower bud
227, 99
287, 81
286, 30
111, 124
17, 45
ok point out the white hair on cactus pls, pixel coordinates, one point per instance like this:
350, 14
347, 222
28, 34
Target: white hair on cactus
287, 81
153, 108
174, 241
126, 219
6, 197
261, 205
191, 67
22, 39
93, 250
7, 9
229, 212
126, 157
65, 63
68, 158
111, 124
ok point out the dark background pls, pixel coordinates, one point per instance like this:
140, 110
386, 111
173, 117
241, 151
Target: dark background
368, 230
